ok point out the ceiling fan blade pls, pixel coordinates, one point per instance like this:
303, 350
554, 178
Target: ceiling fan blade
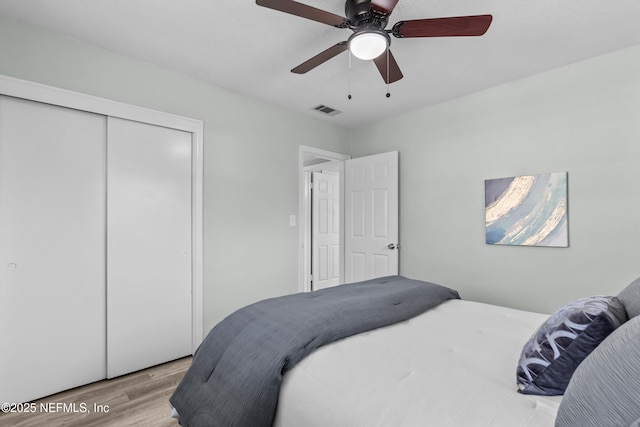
443, 27
384, 6
391, 73
304, 11
321, 58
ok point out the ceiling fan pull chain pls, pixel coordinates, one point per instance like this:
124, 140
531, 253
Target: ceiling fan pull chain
349, 76
388, 78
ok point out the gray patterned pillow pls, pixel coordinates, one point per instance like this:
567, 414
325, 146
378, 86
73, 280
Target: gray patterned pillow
553, 353
605, 389
630, 297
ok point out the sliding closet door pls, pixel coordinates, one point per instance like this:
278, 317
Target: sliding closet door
149, 245
52, 249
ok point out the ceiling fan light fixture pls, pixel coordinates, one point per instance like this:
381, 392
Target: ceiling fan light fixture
368, 44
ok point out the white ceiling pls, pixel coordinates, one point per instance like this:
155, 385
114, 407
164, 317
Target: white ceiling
249, 49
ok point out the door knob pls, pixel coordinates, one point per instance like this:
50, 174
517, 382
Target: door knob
392, 246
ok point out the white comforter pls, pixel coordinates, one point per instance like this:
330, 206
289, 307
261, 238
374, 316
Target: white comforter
451, 366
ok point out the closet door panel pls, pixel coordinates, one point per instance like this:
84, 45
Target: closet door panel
52, 249
149, 245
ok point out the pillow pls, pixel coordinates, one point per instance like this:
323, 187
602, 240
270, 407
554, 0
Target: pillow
605, 389
556, 349
630, 297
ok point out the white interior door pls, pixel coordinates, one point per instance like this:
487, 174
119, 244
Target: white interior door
149, 245
325, 195
371, 217
52, 249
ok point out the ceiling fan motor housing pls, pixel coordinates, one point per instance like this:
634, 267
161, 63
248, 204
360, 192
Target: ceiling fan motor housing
357, 11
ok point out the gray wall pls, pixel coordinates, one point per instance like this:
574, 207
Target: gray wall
250, 157
583, 119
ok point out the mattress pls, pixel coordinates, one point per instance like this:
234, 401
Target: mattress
454, 365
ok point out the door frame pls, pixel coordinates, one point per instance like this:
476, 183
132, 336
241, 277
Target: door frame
310, 159
29, 90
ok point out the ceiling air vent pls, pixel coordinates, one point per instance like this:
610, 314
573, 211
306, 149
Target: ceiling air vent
327, 110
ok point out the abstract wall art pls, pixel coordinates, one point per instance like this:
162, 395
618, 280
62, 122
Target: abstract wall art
528, 210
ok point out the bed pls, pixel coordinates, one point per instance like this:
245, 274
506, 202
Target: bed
449, 362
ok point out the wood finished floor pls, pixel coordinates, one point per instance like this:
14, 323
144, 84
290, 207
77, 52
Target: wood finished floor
140, 399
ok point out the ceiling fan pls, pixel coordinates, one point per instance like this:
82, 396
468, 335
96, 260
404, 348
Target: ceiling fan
370, 40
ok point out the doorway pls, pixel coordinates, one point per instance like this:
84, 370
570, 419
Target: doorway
366, 245
316, 160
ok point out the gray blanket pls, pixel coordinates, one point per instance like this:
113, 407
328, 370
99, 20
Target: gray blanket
235, 377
